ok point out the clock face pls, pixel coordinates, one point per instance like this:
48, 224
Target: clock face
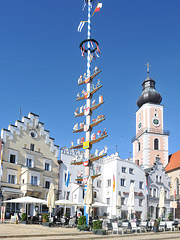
140, 125
156, 122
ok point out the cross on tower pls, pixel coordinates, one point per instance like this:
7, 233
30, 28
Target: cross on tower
148, 66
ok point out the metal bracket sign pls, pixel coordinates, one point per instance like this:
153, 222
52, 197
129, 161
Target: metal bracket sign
86, 145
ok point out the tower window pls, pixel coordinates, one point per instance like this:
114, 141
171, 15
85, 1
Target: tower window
32, 147
156, 144
139, 146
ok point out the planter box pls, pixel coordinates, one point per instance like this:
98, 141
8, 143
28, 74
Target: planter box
155, 228
46, 224
99, 232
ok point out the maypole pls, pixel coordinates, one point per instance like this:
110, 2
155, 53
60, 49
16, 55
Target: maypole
90, 47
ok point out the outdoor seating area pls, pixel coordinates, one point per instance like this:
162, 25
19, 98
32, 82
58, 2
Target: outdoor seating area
125, 226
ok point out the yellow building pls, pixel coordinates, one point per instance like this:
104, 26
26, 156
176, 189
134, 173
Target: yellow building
29, 160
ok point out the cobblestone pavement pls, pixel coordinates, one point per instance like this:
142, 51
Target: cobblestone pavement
38, 232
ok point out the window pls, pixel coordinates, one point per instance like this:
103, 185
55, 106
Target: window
34, 180
140, 202
165, 193
95, 194
11, 179
122, 200
139, 146
154, 192
65, 175
177, 186
12, 158
150, 192
156, 144
123, 181
131, 181
108, 182
47, 165
124, 169
131, 171
108, 201
46, 168
28, 162
47, 184
67, 195
99, 183
140, 185
32, 147
156, 178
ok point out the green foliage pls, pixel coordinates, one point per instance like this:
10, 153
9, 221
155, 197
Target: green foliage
24, 217
148, 215
83, 227
82, 220
97, 224
45, 217
170, 217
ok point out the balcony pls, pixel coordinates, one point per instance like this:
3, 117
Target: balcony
150, 130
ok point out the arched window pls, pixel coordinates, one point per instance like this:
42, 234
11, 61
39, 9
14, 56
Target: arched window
156, 144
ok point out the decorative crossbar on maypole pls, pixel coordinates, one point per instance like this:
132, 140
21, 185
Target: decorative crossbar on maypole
90, 47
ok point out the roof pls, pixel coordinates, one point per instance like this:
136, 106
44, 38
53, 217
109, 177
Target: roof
174, 161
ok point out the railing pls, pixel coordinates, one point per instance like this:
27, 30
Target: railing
150, 130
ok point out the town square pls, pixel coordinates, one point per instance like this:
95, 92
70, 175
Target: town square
89, 144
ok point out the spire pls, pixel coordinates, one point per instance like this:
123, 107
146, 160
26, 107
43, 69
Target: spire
149, 93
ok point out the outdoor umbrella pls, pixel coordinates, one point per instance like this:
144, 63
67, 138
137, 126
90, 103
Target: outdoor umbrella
51, 199
118, 203
130, 202
64, 202
88, 200
161, 202
26, 200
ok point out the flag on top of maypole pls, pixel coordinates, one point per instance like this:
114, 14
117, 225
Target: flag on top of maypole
81, 25
98, 7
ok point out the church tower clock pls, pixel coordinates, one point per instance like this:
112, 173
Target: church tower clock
151, 139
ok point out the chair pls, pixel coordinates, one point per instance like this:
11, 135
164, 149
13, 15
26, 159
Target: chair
144, 226
169, 225
116, 228
126, 226
135, 228
162, 226
72, 222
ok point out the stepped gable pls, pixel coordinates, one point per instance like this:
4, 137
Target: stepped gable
32, 121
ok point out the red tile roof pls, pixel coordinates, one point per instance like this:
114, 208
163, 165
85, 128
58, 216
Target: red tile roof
174, 161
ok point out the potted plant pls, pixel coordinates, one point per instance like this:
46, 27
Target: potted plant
45, 218
156, 226
97, 228
170, 217
24, 218
82, 224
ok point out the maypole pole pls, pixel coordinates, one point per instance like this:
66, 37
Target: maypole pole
90, 47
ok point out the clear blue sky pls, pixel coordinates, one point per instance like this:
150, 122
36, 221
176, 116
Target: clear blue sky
40, 63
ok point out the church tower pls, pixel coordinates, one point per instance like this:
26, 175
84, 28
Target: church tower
151, 139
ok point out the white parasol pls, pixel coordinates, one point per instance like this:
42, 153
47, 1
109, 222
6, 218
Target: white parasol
51, 199
130, 202
161, 202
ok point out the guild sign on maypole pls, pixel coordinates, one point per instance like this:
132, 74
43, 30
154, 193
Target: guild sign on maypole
89, 47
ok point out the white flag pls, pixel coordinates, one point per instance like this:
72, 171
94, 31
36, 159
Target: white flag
81, 25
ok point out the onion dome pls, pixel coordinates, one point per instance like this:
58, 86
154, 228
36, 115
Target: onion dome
149, 93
